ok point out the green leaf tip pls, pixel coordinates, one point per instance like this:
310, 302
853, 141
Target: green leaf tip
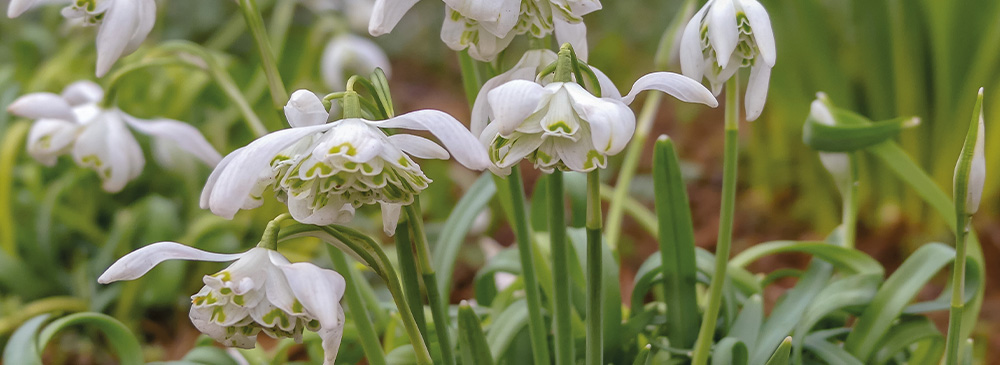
970, 170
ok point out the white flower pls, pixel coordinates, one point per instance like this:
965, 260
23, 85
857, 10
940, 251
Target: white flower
122, 24
724, 36
260, 292
99, 139
977, 167
563, 126
324, 171
348, 54
358, 12
837, 163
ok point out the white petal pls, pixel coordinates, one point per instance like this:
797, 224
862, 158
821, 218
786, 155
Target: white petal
679, 86
146, 15
330, 213
977, 171
390, 217
821, 112
17, 7
50, 138
319, 290
612, 123
573, 154
386, 14
185, 136
119, 25
760, 25
305, 109
331, 337
459, 141
515, 101
419, 147
574, 33
42, 105
692, 59
231, 182
349, 54
487, 46
137, 263
495, 16
107, 146
525, 69
756, 95
83, 92
608, 88
722, 31
452, 28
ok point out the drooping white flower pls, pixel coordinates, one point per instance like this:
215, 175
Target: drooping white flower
563, 126
122, 24
324, 171
348, 54
357, 12
260, 292
837, 163
99, 139
724, 36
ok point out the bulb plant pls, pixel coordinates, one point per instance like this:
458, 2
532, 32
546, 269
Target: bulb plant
115, 240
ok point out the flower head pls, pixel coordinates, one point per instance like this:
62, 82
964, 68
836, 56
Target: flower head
99, 138
260, 292
724, 36
324, 171
122, 24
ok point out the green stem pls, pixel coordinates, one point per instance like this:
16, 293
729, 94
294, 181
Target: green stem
595, 332
269, 239
256, 24
850, 209
9, 150
53, 304
437, 300
522, 229
954, 342
470, 77
560, 270
723, 244
411, 280
356, 309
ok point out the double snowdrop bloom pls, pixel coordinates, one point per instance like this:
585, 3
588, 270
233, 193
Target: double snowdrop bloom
99, 139
260, 292
724, 36
348, 54
324, 171
487, 27
122, 24
563, 126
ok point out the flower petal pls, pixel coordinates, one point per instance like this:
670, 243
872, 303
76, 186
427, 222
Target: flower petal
515, 101
612, 123
760, 25
525, 69
459, 141
331, 338
232, 181
722, 31
349, 54
691, 56
305, 109
319, 290
390, 217
756, 95
145, 13
18, 7
117, 28
137, 263
386, 14
185, 136
83, 92
574, 33
302, 211
419, 147
108, 147
608, 88
679, 86
42, 105
50, 138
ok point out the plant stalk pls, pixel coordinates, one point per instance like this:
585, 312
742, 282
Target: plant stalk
595, 271
954, 343
437, 301
251, 13
522, 230
560, 270
703, 345
411, 280
356, 309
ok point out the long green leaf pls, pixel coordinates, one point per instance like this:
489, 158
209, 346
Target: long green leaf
676, 241
747, 325
781, 355
790, 310
457, 226
846, 259
505, 326
828, 352
729, 351
471, 340
121, 339
854, 290
22, 347
906, 333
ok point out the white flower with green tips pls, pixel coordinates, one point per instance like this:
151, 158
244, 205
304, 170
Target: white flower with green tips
260, 292
122, 24
563, 126
324, 171
724, 36
99, 138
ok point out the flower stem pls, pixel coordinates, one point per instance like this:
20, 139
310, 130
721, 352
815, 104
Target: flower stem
411, 282
251, 13
437, 301
356, 309
595, 332
560, 270
471, 81
724, 241
522, 229
269, 239
13, 138
954, 343
850, 209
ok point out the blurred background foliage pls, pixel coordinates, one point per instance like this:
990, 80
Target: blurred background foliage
880, 58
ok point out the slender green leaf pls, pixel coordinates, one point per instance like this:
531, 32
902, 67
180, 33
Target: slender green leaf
781, 355
847, 138
907, 332
747, 325
729, 351
121, 339
791, 308
452, 235
471, 340
403, 355
22, 347
505, 326
854, 290
828, 352
846, 259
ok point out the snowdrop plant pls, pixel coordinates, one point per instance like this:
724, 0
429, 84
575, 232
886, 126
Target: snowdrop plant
347, 55
260, 292
122, 24
98, 137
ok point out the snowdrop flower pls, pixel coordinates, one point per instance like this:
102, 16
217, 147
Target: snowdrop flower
724, 36
348, 54
837, 163
357, 12
974, 161
122, 24
99, 138
324, 171
563, 126
260, 292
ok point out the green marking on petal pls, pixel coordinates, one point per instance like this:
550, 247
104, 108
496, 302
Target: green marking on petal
350, 150
297, 307
238, 299
226, 291
560, 125
218, 314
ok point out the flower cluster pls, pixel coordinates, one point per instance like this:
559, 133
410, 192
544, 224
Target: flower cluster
73, 122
